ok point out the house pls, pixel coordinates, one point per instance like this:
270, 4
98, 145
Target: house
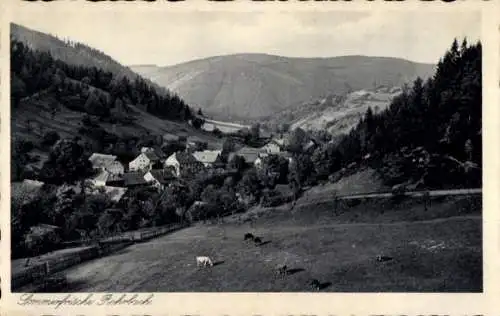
258, 162
194, 143
182, 161
115, 194
115, 167
147, 149
107, 178
271, 148
109, 163
43, 232
134, 179
144, 162
310, 145
208, 127
249, 154
280, 141
159, 178
207, 157
265, 134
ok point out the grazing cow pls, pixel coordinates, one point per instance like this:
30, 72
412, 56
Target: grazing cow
249, 236
204, 261
281, 270
315, 285
383, 258
257, 241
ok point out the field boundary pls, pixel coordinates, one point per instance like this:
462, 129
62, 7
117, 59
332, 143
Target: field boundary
105, 246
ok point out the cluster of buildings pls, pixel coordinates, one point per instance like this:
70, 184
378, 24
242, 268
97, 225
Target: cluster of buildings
153, 168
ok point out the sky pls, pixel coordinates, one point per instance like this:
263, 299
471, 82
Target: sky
167, 38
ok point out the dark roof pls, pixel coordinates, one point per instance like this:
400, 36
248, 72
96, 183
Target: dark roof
163, 175
134, 178
185, 158
152, 155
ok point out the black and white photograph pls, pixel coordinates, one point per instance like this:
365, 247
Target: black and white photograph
259, 151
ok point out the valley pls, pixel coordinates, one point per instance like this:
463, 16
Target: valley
364, 173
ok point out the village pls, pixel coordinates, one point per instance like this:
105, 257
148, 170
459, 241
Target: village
152, 168
268, 168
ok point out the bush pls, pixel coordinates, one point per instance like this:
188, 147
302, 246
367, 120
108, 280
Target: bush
274, 198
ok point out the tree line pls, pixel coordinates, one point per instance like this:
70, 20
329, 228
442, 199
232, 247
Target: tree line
431, 132
87, 89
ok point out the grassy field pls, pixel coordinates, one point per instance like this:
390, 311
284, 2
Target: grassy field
434, 250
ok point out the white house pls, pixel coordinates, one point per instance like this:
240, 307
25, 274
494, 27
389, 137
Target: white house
182, 160
105, 178
258, 162
174, 162
108, 163
207, 157
115, 167
144, 162
159, 178
271, 148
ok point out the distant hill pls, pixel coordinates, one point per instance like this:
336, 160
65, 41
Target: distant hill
249, 86
337, 114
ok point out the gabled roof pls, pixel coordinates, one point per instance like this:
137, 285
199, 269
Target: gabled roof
101, 160
42, 229
206, 156
309, 145
103, 176
163, 175
115, 193
278, 141
152, 155
134, 178
184, 158
248, 153
106, 176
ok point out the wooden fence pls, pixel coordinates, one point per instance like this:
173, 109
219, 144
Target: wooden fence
104, 247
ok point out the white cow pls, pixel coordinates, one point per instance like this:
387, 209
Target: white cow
281, 270
204, 261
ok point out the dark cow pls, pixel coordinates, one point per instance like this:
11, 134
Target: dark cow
383, 258
315, 284
249, 236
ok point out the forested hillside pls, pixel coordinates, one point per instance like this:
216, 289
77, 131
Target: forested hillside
430, 134
51, 100
88, 89
72, 53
